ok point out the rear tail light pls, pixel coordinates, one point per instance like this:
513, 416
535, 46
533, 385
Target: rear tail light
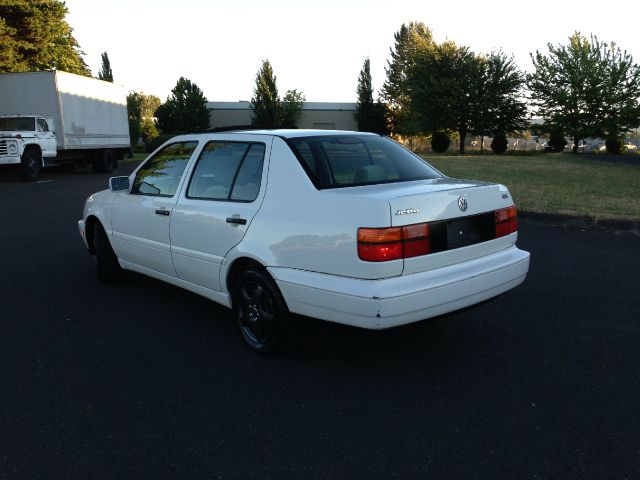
394, 243
506, 221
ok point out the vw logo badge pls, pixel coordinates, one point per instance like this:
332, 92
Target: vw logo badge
462, 204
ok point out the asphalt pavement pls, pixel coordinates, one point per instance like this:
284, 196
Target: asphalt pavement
144, 380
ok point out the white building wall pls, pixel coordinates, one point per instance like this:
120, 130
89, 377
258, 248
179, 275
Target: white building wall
321, 115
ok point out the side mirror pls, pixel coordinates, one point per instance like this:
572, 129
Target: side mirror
119, 184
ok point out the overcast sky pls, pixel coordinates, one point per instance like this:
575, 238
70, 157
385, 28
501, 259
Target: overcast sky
317, 47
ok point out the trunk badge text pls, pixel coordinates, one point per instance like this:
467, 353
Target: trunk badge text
407, 211
462, 204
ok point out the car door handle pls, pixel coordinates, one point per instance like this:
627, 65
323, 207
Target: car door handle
166, 213
237, 220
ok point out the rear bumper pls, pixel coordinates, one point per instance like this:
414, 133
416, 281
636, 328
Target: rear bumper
385, 303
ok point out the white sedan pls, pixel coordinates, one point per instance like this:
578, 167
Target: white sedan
342, 226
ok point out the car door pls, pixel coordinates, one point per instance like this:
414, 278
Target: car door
140, 218
46, 137
224, 193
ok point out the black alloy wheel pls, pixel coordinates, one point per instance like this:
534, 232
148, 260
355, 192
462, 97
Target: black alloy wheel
260, 311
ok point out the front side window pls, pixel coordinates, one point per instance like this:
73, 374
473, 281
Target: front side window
228, 171
161, 174
333, 161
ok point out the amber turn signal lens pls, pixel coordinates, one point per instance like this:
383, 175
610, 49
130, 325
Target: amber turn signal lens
379, 235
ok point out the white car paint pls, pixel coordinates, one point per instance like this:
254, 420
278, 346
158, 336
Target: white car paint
306, 238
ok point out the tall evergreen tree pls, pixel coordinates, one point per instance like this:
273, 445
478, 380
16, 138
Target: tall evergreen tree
105, 72
587, 88
265, 103
369, 114
185, 109
35, 36
364, 91
409, 40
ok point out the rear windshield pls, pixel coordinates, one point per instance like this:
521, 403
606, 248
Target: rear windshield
348, 161
18, 124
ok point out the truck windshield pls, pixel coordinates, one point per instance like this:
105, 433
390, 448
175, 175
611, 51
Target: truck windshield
334, 161
18, 124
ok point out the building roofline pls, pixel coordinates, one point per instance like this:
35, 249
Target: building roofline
309, 106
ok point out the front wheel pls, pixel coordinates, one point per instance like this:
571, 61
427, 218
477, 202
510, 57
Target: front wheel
260, 311
30, 166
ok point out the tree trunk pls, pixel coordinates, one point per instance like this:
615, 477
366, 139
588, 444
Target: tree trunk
576, 141
481, 144
463, 135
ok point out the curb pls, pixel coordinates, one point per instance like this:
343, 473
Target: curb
585, 222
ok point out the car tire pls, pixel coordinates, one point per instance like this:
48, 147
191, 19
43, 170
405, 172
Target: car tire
104, 161
30, 165
108, 268
260, 311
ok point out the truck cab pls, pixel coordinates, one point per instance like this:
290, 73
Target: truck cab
28, 141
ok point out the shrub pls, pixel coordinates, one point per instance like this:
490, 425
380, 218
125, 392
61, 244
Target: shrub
557, 142
440, 142
156, 142
614, 145
499, 143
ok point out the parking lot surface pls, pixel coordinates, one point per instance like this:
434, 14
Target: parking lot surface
144, 380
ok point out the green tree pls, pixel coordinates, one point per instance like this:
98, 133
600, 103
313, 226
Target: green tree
444, 85
588, 88
269, 111
105, 72
134, 114
185, 109
411, 40
364, 91
265, 103
452, 89
370, 115
148, 105
148, 130
500, 98
291, 108
35, 36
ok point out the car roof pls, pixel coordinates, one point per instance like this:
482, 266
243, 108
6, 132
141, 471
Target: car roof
284, 133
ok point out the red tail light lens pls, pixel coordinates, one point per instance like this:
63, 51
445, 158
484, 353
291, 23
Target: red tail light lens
506, 221
416, 240
384, 244
380, 252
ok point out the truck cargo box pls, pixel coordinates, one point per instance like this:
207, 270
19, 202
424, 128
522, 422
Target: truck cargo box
88, 113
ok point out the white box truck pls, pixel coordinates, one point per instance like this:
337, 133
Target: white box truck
58, 118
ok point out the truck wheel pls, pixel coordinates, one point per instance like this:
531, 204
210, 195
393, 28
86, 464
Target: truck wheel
260, 310
104, 161
109, 269
31, 165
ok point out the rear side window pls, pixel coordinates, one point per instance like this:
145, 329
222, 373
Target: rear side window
161, 174
346, 161
228, 171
